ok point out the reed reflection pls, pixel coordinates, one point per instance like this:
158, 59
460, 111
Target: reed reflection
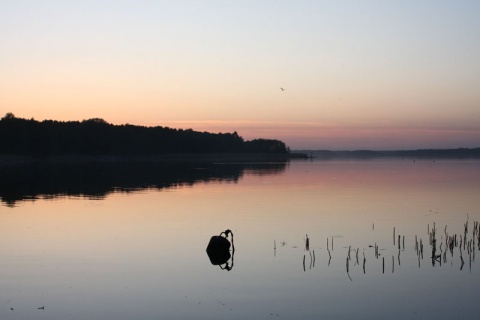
95, 180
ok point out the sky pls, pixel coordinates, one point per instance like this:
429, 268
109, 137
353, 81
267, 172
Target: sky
357, 74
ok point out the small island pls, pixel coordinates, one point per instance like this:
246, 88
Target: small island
95, 138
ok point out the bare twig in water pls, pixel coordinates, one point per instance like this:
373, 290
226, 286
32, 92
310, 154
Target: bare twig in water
364, 261
416, 244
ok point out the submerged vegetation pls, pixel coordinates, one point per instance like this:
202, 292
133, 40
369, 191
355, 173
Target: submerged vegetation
98, 137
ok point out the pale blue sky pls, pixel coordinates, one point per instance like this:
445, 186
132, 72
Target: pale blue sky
358, 74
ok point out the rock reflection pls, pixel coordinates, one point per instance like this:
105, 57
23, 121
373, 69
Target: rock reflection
97, 179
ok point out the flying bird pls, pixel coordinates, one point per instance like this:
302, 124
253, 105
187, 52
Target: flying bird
282, 89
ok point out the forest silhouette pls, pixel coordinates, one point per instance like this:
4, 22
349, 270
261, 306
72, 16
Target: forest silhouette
97, 137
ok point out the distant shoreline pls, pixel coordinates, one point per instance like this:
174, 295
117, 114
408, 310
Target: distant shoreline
459, 153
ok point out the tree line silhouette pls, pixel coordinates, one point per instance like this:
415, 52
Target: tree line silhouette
95, 136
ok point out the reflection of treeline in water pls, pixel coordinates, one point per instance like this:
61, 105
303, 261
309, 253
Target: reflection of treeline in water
97, 137
98, 179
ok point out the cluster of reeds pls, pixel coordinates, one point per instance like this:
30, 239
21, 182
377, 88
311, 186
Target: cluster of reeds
440, 244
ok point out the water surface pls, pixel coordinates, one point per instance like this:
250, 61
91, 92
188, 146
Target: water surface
128, 241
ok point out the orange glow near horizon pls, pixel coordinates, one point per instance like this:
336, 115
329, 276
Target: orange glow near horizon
331, 136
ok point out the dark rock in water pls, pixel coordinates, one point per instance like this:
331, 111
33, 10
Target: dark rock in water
218, 249
218, 243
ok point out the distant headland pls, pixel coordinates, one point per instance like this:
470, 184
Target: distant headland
48, 139
458, 153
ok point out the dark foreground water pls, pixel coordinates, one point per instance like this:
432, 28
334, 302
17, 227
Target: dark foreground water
392, 239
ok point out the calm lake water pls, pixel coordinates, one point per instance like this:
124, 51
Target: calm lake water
127, 241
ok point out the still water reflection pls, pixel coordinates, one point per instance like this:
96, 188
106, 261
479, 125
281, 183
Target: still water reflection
313, 239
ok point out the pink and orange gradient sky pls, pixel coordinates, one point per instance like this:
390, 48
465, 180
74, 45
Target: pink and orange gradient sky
358, 74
